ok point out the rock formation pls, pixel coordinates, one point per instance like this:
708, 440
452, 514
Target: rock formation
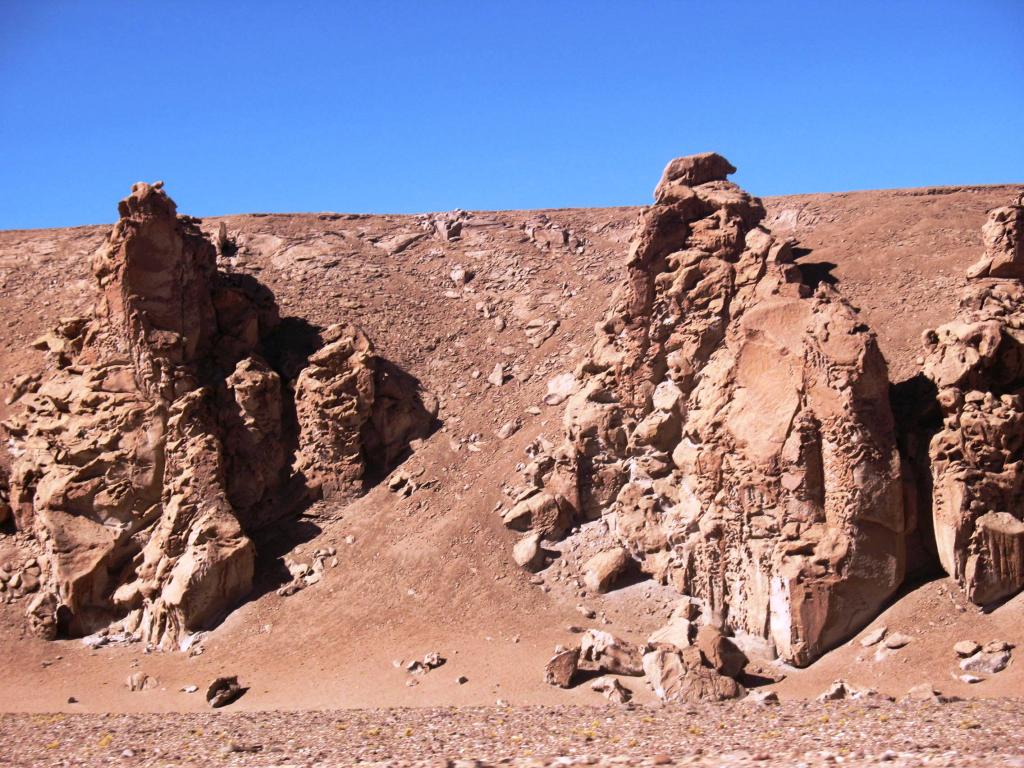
977, 365
732, 427
1003, 235
334, 398
162, 437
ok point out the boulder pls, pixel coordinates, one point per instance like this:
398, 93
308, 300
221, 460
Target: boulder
528, 552
140, 681
333, 400
719, 652
602, 570
897, 640
224, 691
677, 633
612, 690
873, 637
543, 513
561, 668
986, 662
924, 692
966, 648
604, 652
693, 170
681, 677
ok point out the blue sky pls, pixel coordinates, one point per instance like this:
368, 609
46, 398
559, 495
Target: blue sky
409, 106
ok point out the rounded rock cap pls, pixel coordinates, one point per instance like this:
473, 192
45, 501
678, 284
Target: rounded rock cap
696, 169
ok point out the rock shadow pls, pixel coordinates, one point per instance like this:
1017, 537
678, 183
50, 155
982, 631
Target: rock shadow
814, 273
918, 418
402, 413
272, 544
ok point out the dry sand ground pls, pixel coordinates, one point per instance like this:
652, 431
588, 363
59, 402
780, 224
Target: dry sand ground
433, 571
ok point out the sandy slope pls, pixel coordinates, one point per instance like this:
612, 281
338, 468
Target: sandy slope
433, 571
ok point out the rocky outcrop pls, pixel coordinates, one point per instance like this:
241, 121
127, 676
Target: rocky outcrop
977, 457
333, 401
732, 427
1003, 235
162, 437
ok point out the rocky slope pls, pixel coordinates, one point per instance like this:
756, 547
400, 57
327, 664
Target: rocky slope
484, 309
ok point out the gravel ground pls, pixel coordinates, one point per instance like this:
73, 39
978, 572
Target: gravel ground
989, 733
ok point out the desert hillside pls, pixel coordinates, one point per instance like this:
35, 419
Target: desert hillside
483, 309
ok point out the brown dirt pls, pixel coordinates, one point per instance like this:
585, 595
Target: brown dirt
434, 571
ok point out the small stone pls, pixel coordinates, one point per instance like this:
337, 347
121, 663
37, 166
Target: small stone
433, 660
235, 746
897, 640
763, 698
873, 637
966, 648
508, 429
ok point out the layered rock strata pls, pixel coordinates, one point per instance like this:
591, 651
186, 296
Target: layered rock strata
162, 437
732, 427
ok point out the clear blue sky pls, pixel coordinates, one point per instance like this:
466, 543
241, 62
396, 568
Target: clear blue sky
410, 106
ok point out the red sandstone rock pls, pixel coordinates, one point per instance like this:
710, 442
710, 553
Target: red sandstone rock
733, 427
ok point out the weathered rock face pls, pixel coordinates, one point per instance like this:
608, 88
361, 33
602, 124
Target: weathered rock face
733, 426
1003, 235
156, 275
334, 397
356, 413
977, 365
197, 561
161, 437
